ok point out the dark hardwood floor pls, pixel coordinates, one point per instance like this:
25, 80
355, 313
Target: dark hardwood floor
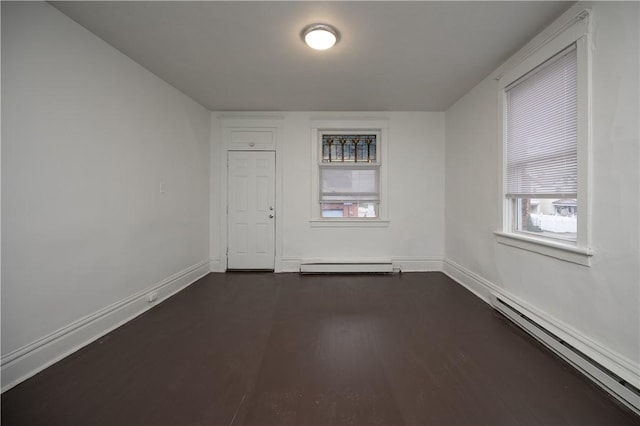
284, 349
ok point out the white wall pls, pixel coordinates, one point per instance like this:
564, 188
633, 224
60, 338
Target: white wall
414, 239
87, 137
601, 303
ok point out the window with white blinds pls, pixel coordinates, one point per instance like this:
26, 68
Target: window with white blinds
545, 98
349, 174
541, 126
349, 184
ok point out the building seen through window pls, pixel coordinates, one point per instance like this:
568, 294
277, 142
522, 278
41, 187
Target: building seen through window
349, 176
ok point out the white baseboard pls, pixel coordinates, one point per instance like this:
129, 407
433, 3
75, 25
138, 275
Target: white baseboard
609, 359
215, 265
25, 362
470, 280
418, 264
405, 264
290, 264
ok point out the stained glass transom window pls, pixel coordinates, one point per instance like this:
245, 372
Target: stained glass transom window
348, 148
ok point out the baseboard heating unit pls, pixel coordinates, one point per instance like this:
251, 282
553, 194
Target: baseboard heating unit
378, 267
625, 392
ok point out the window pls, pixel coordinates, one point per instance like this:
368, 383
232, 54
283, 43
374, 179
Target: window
348, 172
541, 149
545, 113
349, 176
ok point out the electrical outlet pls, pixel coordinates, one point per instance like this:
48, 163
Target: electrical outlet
152, 297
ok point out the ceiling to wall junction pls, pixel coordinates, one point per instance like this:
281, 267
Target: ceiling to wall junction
398, 56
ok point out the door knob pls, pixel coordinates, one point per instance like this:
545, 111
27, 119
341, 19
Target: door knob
271, 216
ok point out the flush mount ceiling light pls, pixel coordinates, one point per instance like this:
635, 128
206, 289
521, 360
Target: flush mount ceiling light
320, 36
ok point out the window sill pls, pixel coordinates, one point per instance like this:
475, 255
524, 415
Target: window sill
349, 223
579, 255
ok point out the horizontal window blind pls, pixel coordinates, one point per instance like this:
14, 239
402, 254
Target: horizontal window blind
345, 184
541, 131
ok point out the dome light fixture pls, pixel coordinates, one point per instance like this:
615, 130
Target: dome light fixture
320, 36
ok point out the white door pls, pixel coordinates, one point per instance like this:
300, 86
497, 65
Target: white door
251, 214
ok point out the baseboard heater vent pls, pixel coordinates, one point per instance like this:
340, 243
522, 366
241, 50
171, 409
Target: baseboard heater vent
347, 268
622, 390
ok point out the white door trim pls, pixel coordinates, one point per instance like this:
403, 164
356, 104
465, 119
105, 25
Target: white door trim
252, 122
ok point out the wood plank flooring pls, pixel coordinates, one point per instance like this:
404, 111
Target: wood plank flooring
285, 349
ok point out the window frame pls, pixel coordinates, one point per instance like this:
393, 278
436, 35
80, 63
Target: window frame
320, 127
575, 31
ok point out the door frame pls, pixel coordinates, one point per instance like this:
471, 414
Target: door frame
220, 165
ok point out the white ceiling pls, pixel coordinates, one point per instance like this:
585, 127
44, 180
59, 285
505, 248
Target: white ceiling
397, 56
